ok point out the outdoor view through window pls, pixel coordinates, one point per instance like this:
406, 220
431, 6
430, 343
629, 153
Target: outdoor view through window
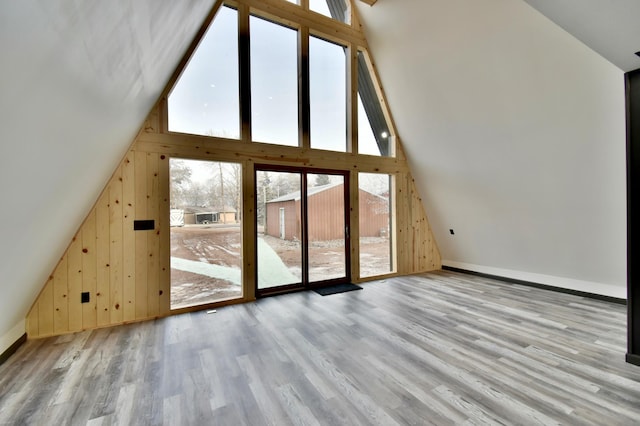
206, 100
328, 95
282, 224
274, 83
375, 224
206, 237
206, 197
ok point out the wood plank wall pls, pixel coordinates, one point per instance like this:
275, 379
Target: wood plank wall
124, 271
417, 250
127, 272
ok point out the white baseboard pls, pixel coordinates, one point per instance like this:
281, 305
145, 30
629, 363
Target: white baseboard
610, 290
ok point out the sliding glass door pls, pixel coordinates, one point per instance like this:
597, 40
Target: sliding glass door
302, 229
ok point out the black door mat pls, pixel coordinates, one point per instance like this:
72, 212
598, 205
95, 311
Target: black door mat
338, 288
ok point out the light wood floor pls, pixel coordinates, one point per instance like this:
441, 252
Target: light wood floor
440, 348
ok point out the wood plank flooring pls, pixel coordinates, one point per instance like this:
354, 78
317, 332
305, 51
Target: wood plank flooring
439, 348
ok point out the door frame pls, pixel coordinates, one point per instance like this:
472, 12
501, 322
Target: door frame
305, 284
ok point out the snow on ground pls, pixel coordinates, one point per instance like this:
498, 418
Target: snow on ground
271, 270
232, 275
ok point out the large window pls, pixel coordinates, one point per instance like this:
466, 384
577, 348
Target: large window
259, 76
367, 143
206, 237
376, 241
374, 134
328, 98
205, 99
288, 82
274, 83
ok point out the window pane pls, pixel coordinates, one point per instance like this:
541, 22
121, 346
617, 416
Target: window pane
375, 224
374, 136
326, 226
367, 143
279, 229
274, 83
206, 238
205, 99
336, 9
328, 103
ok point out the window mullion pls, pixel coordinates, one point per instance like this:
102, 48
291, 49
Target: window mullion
352, 98
244, 55
303, 88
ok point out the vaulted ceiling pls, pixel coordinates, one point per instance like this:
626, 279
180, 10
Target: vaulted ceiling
78, 78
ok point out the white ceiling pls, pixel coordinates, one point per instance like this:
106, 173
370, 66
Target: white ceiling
610, 27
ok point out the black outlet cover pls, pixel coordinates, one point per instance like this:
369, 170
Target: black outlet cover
84, 297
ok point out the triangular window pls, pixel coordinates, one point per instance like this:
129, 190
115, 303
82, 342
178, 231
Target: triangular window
374, 132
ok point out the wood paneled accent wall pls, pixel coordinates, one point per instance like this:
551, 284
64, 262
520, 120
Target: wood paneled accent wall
417, 250
126, 273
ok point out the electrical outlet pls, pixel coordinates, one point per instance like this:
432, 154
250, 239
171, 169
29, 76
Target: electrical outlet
85, 297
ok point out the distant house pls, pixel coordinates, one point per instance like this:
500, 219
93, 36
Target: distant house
326, 214
206, 215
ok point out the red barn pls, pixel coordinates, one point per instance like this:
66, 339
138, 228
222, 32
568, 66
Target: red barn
326, 214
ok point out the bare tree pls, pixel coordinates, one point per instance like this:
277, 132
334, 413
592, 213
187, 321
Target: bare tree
264, 193
195, 194
322, 180
180, 175
234, 183
286, 183
375, 183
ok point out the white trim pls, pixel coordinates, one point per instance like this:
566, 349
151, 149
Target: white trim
12, 336
602, 289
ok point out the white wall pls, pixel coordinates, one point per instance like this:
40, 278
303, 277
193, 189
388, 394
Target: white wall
77, 80
515, 133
